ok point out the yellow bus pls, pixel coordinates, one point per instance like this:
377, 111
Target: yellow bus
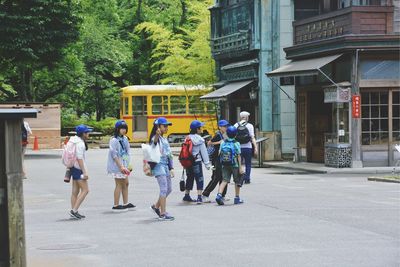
142, 104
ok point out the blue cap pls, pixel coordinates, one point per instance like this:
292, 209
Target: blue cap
162, 121
121, 124
223, 123
231, 131
196, 124
80, 129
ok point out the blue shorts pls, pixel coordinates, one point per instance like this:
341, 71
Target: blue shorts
76, 173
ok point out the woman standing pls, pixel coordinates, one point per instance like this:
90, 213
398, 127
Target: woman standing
200, 154
163, 171
118, 165
79, 172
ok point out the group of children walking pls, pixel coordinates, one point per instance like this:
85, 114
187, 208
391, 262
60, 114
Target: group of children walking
222, 154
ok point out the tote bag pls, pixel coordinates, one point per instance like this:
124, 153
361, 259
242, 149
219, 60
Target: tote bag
151, 153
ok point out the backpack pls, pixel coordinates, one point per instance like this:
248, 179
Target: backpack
69, 154
24, 134
185, 156
227, 154
243, 134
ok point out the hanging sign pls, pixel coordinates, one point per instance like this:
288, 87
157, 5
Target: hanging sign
356, 106
336, 95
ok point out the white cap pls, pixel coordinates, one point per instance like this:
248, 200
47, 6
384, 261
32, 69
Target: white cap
244, 114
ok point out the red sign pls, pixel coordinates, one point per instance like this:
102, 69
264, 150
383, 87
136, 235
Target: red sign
356, 104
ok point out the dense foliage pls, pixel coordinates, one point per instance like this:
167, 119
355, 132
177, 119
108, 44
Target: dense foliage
81, 52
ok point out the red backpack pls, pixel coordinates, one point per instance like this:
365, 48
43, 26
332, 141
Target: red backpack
186, 157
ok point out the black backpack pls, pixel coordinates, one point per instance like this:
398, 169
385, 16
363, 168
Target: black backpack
24, 133
243, 134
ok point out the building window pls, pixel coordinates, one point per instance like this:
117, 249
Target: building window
376, 69
178, 104
235, 20
159, 105
396, 116
374, 108
139, 105
126, 106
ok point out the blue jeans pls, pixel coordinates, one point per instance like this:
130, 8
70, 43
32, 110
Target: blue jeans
247, 154
195, 173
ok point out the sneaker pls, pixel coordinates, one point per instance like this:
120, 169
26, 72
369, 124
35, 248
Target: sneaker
237, 200
119, 208
226, 199
187, 198
166, 217
74, 215
199, 200
129, 206
80, 215
247, 182
157, 211
219, 199
206, 199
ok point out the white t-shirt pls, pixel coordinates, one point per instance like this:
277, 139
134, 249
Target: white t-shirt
80, 150
27, 127
249, 127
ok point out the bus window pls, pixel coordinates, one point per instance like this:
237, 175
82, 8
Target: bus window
178, 104
210, 106
126, 106
195, 105
159, 105
139, 105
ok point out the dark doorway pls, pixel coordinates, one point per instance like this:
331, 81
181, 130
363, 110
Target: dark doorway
319, 123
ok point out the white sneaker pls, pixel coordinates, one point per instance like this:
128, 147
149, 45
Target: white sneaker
226, 199
206, 199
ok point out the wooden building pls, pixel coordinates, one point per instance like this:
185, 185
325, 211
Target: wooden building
46, 126
246, 42
345, 60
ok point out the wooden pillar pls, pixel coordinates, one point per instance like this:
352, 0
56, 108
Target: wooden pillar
12, 178
12, 224
4, 252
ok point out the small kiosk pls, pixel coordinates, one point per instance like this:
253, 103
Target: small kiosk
337, 143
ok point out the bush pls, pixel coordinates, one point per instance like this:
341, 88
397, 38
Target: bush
69, 120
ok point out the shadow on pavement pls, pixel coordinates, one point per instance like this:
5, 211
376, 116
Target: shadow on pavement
42, 156
67, 220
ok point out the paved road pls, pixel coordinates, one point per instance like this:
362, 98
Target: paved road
288, 220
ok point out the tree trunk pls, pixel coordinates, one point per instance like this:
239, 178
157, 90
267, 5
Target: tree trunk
184, 13
25, 86
139, 12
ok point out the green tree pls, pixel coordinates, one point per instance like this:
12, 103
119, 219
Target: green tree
183, 56
33, 34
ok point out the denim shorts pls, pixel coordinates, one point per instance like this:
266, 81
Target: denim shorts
76, 173
228, 172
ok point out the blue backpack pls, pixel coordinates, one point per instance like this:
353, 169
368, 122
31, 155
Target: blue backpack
228, 154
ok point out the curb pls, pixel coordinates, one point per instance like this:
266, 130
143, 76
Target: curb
327, 170
381, 179
294, 168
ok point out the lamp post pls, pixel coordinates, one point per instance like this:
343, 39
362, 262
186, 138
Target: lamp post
253, 94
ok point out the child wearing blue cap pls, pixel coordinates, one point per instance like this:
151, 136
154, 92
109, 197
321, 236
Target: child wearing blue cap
216, 177
230, 157
200, 154
119, 167
78, 171
163, 170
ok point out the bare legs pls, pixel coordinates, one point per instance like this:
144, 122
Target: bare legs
121, 187
80, 189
